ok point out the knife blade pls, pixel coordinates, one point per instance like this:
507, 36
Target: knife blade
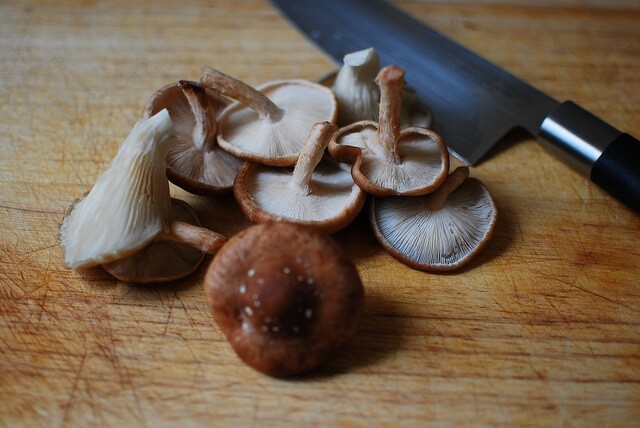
474, 102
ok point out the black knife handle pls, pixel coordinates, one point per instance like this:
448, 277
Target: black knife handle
610, 158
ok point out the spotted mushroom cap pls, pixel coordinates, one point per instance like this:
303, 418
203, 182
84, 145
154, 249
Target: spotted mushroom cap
285, 295
436, 240
161, 260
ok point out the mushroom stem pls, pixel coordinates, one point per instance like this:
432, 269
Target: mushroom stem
206, 127
436, 200
197, 237
311, 154
391, 81
240, 91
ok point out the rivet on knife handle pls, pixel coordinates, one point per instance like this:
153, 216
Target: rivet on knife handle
609, 157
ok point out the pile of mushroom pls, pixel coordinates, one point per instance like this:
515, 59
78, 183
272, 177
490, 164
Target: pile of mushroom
283, 292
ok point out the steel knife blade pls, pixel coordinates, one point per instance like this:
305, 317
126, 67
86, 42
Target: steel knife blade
474, 102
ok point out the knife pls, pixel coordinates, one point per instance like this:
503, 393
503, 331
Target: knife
474, 102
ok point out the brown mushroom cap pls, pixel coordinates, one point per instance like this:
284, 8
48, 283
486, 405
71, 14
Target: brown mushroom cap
387, 161
441, 231
285, 295
195, 162
270, 123
161, 260
318, 191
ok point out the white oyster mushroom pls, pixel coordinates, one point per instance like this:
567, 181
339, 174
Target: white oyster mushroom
358, 95
129, 205
441, 231
355, 88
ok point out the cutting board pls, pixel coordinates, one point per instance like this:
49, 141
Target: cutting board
542, 328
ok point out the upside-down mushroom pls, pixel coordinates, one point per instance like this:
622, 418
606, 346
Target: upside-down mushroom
129, 206
161, 260
318, 192
441, 231
269, 124
285, 295
388, 161
195, 162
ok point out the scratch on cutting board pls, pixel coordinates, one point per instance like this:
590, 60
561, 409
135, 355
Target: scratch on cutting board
110, 352
593, 293
30, 210
70, 400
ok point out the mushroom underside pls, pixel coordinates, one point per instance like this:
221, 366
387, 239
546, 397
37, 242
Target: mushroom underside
331, 192
129, 203
191, 163
437, 240
161, 260
173, 99
422, 162
242, 130
214, 168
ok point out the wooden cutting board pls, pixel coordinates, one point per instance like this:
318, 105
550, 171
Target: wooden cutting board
543, 328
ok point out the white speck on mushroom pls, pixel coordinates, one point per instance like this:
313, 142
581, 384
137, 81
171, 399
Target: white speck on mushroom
248, 310
267, 319
310, 280
298, 260
264, 328
251, 273
256, 303
275, 329
300, 278
243, 288
261, 281
308, 313
286, 270
296, 329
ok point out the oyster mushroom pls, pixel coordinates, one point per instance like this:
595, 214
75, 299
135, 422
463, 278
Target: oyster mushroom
358, 94
285, 295
195, 162
355, 88
441, 231
129, 205
386, 160
270, 123
316, 192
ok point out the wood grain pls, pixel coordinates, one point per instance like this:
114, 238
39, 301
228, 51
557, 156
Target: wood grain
543, 328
